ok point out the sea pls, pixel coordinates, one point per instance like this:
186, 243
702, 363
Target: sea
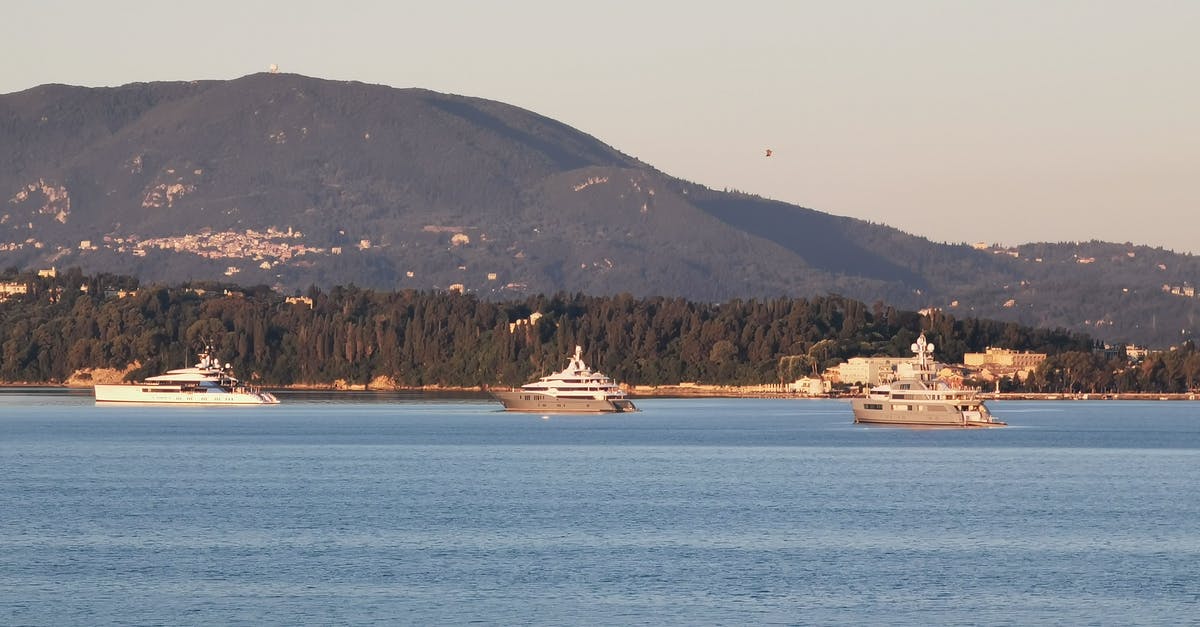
364, 508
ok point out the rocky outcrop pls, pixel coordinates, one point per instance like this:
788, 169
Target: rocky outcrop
87, 377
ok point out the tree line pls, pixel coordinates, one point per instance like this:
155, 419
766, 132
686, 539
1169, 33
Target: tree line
72, 321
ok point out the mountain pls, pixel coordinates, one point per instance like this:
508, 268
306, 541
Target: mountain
292, 181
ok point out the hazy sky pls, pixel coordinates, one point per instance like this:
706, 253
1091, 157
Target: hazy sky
962, 121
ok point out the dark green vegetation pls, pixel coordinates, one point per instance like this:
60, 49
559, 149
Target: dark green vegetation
457, 190
437, 338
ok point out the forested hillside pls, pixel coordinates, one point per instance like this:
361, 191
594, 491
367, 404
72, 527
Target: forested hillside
418, 338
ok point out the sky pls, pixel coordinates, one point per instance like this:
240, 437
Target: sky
1002, 122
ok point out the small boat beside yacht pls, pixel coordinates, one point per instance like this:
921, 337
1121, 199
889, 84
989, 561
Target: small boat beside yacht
206, 383
923, 400
575, 389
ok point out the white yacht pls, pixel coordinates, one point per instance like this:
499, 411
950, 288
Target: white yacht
206, 383
576, 389
923, 400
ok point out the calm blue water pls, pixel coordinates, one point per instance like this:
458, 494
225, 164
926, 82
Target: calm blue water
361, 508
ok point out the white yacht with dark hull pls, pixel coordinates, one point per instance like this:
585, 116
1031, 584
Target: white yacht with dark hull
206, 383
575, 389
922, 400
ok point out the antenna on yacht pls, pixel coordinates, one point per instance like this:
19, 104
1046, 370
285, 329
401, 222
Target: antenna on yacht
923, 349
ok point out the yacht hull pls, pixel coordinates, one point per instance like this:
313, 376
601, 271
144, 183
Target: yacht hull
919, 414
522, 400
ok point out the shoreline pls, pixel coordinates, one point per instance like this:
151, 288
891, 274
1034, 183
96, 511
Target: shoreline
678, 391
1087, 396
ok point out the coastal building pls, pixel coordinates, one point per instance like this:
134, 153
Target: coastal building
810, 386
9, 289
869, 370
530, 321
954, 376
1001, 363
1004, 357
1135, 352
